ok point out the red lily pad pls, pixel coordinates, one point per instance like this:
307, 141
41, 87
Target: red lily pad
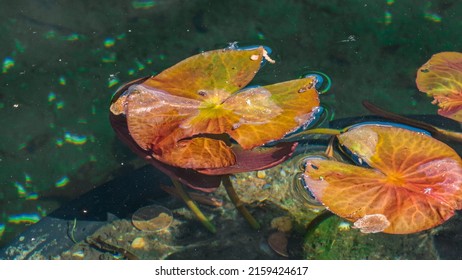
186, 116
441, 78
414, 183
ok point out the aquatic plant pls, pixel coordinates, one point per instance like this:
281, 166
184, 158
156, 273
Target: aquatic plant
404, 181
441, 78
197, 123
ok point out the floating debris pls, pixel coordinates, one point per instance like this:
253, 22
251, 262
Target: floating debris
8, 63
24, 218
109, 42
143, 4
75, 139
63, 181
152, 218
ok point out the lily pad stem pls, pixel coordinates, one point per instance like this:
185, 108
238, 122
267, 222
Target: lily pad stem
193, 206
238, 203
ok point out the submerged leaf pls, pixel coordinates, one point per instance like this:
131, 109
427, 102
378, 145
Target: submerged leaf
414, 183
188, 115
441, 78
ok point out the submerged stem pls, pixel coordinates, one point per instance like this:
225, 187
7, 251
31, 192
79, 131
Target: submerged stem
193, 206
238, 203
325, 131
435, 131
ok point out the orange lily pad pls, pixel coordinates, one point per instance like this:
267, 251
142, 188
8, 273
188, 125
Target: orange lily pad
188, 115
414, 181
441, 78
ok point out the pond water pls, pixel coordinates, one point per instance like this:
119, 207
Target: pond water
63, 61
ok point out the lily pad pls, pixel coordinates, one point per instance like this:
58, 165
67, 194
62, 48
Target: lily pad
189, 115
441, 78
414, 181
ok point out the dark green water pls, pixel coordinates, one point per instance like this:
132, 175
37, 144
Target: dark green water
63, 60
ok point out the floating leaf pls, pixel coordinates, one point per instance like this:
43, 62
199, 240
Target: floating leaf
441, 78
414, 183
188, 115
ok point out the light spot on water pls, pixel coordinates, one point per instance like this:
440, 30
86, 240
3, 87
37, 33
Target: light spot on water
32, 196
27, 178
109, 42
8, 63
434, 17
387, 18
143, 4
63, 181
59, 142
121, 36
59, 105
62, 80
112, 82
25, 218
51, 96
20, 189
75, 139
139, 65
